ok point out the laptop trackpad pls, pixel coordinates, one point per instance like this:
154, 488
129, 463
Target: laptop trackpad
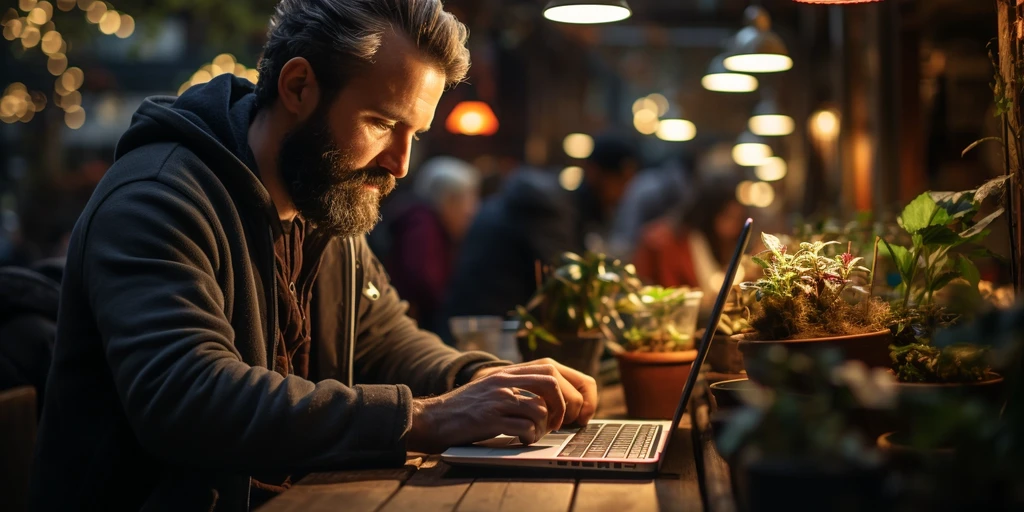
513, 442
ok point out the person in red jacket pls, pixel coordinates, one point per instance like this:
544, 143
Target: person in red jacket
692, 245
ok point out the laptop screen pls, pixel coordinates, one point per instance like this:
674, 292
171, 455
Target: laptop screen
709, 333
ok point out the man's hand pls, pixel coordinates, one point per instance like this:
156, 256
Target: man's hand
578, 390
525, 404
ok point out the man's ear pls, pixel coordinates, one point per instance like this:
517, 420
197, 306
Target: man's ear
297, 88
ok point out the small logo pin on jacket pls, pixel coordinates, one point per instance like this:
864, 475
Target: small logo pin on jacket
371, 292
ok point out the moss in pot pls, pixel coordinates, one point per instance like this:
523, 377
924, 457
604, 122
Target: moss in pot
659, 348
809, 302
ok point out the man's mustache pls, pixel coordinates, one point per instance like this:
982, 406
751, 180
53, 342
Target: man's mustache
378, 177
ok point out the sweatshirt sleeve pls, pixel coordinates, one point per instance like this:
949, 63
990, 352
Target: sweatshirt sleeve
153, 269
390, 348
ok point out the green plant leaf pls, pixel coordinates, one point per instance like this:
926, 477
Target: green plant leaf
903, 259
944, 279
982, 224
968, 270
570, 257
939, 235
773, 244
760, 261
918, 214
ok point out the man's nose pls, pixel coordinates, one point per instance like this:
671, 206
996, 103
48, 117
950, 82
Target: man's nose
395, 157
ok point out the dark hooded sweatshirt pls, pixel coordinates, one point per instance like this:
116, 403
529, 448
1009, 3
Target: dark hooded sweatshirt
160, 396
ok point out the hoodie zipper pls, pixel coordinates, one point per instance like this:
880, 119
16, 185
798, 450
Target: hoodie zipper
351, 258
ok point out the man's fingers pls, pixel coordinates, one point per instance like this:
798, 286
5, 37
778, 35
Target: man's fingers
575, 402
546, 387
522, 428
582, 383
530, 406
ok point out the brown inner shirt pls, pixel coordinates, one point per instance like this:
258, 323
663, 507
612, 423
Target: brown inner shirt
293, 337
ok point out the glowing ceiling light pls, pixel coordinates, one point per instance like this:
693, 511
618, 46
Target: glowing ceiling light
578, 145
769, 121
472, 118
720, 79
676, 130
587, 11
757, 49
750, 150
824, 125
646, 122
773, 169
571, 177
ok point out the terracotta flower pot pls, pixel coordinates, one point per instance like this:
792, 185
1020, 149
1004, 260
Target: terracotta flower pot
653, 381
724, 355
581, 353
989, 390
871, 348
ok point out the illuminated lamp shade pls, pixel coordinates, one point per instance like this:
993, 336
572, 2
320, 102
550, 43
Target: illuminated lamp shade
587, 11
773, 169
824, 125
719, 79
769, 121
676, 130
571, 177
751, 151
757, 49
472, 118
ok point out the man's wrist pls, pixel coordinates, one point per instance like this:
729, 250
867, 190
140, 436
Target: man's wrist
474, 371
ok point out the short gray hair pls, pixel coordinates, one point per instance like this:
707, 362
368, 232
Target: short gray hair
443, 176
340, 37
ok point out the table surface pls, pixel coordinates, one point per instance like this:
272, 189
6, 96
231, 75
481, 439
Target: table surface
425, 484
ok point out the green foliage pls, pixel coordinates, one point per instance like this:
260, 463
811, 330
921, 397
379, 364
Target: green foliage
943, 232
938, 223
578, 297
663, 319
802, 292
918, 362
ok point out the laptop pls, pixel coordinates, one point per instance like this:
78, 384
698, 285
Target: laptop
634, 446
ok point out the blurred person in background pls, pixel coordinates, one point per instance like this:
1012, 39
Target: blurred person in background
691, 246
649, 196
425, 235
533, 218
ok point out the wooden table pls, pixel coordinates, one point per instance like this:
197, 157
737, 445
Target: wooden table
425, 484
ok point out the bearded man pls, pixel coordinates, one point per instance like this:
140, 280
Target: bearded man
224, 328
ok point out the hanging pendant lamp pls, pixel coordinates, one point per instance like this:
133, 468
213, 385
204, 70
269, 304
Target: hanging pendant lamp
719, 79
587, 11
758, 49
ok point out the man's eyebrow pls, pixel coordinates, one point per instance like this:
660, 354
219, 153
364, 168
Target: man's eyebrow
394, 115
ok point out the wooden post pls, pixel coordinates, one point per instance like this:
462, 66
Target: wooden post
1011, 30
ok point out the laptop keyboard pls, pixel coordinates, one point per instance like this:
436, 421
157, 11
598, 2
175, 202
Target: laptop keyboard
612, 441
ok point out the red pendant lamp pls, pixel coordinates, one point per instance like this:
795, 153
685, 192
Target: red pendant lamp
836, 2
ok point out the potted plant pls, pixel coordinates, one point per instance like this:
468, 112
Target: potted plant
796, 443
806, 306
659, 348
724, 357
944, 237
966, 451
568, 319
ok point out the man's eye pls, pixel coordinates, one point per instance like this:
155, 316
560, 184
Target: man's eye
384, 125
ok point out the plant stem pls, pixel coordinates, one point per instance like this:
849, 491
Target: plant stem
915, 255
871, 275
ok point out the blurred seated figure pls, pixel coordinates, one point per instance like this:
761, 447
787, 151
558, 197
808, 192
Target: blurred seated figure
426, 232
652, 194
534, 218
691, 246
